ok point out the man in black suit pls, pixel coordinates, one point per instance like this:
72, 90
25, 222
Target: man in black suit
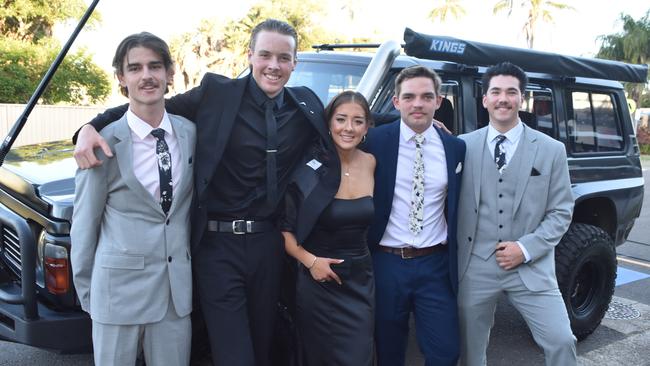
240, 175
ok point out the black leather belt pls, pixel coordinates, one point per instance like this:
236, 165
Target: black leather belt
240, 226
410, 252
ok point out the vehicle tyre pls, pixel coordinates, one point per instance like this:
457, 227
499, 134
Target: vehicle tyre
585, 265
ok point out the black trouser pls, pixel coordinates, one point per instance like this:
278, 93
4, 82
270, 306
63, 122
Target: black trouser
238, 278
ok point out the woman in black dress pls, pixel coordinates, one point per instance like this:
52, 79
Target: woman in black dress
327, 214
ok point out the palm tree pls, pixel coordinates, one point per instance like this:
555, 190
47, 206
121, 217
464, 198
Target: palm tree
538, 10
631, 45
446, 8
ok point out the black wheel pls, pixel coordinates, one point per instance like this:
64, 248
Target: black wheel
585, 265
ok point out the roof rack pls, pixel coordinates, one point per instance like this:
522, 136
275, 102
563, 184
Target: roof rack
483, 54
332, 46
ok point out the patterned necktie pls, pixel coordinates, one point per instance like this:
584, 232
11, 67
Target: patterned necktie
164, 169
416, 214
271, 152
500, 153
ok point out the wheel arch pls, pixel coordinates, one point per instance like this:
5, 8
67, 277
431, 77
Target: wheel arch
596, 211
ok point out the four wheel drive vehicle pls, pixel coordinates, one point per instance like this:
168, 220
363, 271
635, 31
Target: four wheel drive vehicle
577, 101
579, 106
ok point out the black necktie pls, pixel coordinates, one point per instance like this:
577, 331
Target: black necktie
271, 152
500, 153
164, 169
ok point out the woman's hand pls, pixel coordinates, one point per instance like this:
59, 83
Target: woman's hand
322, 272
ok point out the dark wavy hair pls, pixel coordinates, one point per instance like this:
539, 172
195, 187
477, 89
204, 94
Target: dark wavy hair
146, 40
508, 69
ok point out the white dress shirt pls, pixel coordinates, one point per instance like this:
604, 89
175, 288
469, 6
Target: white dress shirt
145, 161
434, 226
510, 145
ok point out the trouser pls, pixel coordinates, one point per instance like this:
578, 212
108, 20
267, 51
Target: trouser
420, 285
238, 279
166, 342
543, 311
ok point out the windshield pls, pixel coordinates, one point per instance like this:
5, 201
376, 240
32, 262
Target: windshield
326, 79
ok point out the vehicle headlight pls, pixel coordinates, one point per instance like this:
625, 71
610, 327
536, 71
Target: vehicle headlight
40, 248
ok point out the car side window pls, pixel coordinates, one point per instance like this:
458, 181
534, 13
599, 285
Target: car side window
593, 125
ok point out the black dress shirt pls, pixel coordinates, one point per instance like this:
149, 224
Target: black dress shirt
238, 186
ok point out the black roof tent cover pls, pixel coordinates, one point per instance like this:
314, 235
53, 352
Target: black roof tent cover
483, 54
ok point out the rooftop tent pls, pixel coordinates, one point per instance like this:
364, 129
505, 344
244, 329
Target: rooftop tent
483, 54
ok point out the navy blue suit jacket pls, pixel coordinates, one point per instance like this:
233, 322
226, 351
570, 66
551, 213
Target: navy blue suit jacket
383, 143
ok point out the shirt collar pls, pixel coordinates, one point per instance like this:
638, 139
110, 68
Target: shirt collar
512, 135
142, 129
259, 97
407, 133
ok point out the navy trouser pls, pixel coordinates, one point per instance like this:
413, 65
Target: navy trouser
420, 285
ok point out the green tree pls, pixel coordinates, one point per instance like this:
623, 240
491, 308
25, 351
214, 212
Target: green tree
223, 48
78, 80
444, 9
631, 45
538, 11
28, 49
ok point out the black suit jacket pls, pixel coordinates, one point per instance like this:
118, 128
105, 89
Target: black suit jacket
314, 185
213, 106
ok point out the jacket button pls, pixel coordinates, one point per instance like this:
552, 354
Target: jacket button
167, 222
500, 211
469, 238
475, 211
169, 259
500, 226
500, 195
500, 180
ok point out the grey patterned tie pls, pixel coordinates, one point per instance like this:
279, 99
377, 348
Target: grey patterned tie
500, 153
164, 169
416, 214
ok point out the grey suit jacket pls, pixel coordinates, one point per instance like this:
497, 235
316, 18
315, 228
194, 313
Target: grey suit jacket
542, 206
128, 259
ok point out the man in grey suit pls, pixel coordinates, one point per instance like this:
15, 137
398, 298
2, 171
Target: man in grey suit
515, 205
131, 229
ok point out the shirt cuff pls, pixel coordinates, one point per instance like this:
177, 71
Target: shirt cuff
523, 249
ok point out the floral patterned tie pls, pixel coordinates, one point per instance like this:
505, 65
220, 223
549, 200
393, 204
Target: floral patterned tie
500, 153
164, 169
416, 214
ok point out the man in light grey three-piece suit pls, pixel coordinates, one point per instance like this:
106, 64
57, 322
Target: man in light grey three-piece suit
515, 205
131, 230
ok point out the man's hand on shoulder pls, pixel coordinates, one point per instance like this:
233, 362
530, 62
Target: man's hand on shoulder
441, 126
87, 140
509, 255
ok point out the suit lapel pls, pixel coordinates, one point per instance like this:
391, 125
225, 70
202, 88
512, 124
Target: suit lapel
314, 118
218, 128
124, 156
392, 153
186, 154
527, 151
477, 159
450, 155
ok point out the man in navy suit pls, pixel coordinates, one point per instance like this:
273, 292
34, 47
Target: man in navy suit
242, 168
413, 237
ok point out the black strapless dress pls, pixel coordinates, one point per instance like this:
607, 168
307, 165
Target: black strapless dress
336, 322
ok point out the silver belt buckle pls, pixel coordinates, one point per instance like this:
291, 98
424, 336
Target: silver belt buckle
238, 227
401, 252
